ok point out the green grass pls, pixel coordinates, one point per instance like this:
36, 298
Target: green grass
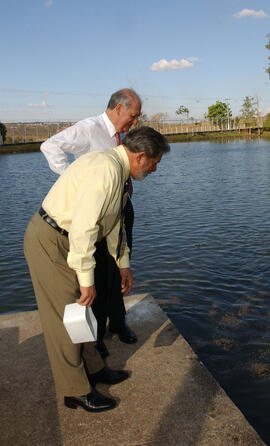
221, 136
20, 148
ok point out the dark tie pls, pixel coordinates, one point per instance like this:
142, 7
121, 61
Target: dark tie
130, 186
120, 238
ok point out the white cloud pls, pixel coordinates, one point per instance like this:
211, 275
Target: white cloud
43, 104
251, 13
174, 64
15, 90
193, 59
45, 112
48, 3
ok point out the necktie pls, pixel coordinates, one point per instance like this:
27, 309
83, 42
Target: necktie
120, 238
117, 138
130, 186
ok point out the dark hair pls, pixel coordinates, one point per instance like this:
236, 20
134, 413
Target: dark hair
125, 97
145, 139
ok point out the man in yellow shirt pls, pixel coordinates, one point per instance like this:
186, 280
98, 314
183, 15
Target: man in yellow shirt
83, 209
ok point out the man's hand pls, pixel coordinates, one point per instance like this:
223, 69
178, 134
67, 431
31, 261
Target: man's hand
88, 294
126, 280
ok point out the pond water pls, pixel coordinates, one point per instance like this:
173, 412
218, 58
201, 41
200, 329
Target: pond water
201, 248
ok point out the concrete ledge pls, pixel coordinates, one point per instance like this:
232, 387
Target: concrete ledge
169, 400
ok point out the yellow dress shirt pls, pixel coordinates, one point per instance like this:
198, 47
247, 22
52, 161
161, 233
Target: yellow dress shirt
86, 201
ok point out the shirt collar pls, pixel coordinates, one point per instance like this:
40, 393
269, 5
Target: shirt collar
122, 154
109, 124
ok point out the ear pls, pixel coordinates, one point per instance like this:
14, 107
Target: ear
140, 157
118, 108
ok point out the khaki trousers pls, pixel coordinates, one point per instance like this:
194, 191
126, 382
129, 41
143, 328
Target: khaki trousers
55, 286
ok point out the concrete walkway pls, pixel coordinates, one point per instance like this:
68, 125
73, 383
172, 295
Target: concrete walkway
169, 400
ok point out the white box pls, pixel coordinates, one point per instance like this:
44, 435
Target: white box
80, 323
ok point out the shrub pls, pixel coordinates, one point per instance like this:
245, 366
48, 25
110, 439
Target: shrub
266, 123
3, 131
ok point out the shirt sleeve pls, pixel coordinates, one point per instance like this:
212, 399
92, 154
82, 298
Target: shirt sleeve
72, 140
93, 200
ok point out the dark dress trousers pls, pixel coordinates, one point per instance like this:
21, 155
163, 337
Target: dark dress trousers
109, 301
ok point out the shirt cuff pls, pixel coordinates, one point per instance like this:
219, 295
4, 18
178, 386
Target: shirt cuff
124, 262
86, 278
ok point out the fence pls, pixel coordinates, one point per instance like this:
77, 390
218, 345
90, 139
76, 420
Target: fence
176, 128
36, 132
32, 132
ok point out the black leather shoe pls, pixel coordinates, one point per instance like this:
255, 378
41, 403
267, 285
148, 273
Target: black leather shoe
125, 334
108, 376
102, 349
92, 402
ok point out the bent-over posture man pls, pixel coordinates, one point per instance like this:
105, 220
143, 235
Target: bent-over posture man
102, 133
83, 209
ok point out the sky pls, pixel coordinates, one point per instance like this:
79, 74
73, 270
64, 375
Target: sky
62, 59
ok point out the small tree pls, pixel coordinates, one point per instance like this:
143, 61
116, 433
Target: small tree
3, 131
159, 117
266, 123
182, 110
268, 47
142, 119
220, 112
236, 121
248, 109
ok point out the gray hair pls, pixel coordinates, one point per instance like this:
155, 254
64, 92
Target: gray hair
125, 97
147, 140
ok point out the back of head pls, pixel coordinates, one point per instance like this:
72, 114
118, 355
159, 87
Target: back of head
147, 140
126, 96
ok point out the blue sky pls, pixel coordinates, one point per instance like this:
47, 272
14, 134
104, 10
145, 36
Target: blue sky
62, 59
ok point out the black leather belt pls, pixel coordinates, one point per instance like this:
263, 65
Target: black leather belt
51, 222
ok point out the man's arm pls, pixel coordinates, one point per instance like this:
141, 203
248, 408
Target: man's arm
56, 157
93, 200
72, 140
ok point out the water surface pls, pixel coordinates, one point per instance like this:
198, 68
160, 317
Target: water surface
201, 248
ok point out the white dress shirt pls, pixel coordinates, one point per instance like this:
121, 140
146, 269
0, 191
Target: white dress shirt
96, 133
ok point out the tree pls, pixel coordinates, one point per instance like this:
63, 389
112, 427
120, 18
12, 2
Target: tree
266, 123
182, 110
142, 119
268, 47
158, 117
248, 109
3, 131
220, 111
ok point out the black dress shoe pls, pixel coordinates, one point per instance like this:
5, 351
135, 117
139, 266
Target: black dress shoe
125, 334
92, 402
108, 376
102, 349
